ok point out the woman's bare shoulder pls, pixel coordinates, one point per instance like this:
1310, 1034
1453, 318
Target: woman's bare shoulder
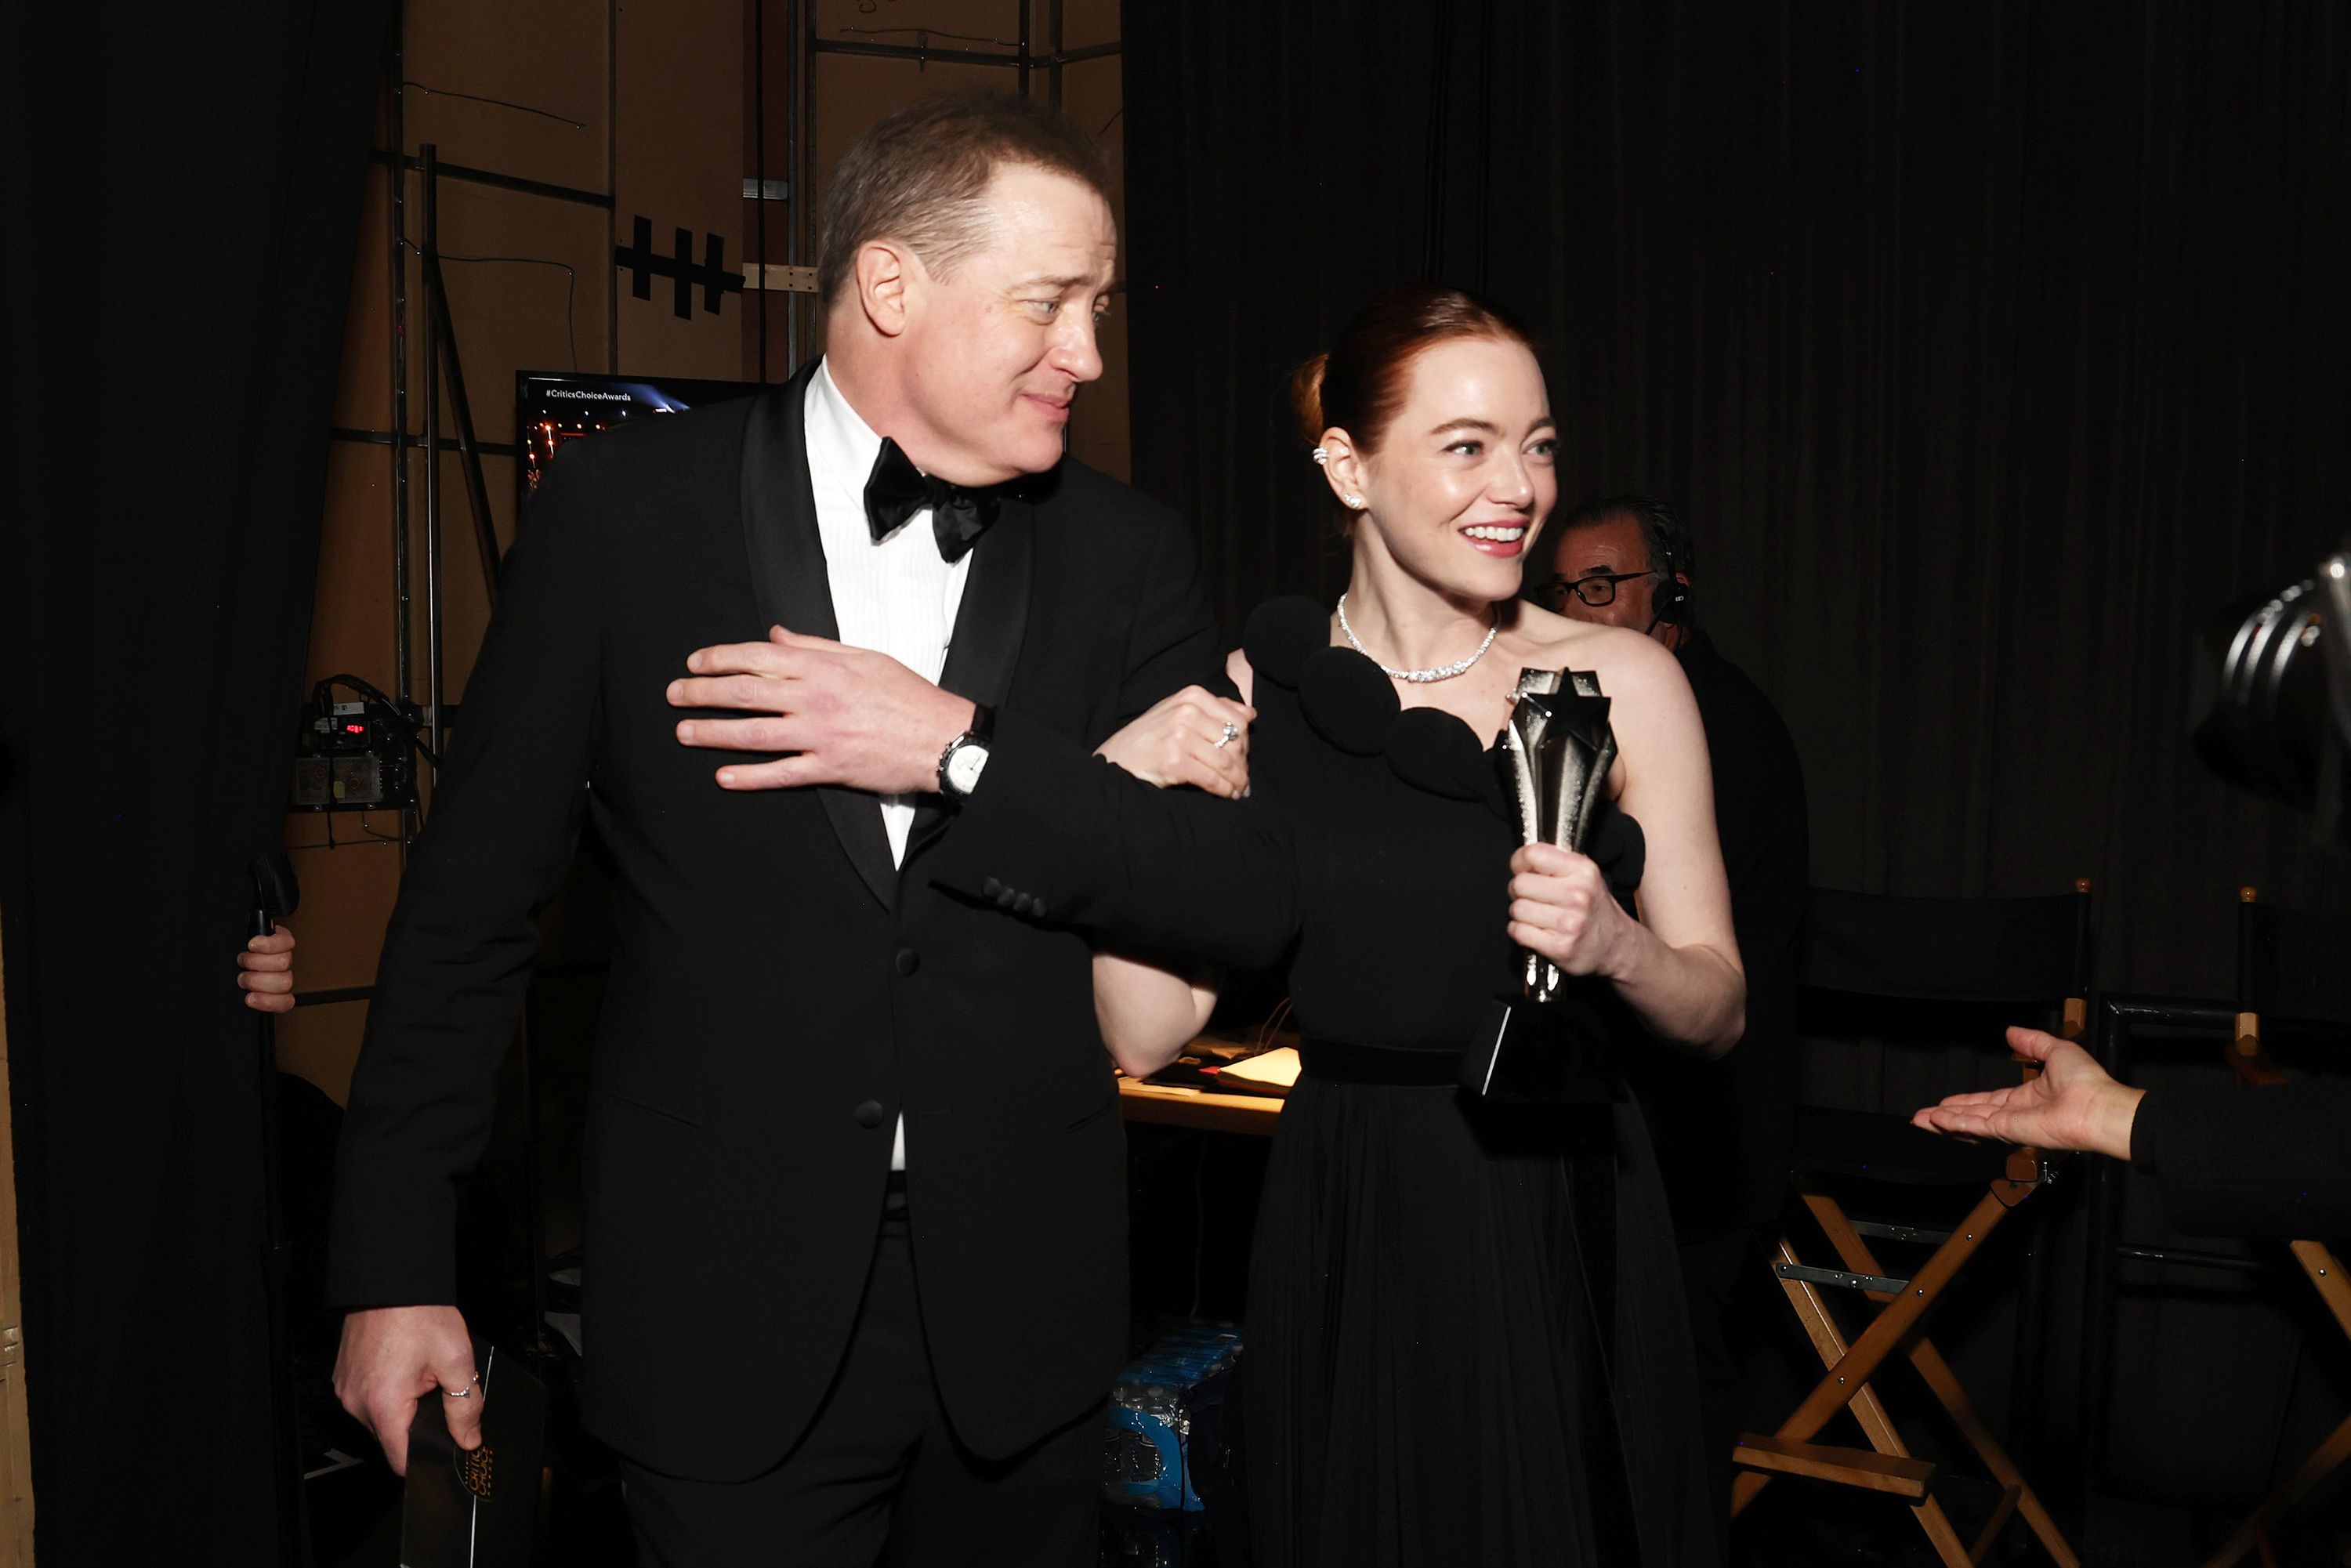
1625, 661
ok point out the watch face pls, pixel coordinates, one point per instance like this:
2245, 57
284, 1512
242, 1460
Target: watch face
963, 764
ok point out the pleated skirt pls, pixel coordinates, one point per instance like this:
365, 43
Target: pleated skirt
1422, 1379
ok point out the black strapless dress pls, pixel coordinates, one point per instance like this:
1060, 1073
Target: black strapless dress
1465, 1332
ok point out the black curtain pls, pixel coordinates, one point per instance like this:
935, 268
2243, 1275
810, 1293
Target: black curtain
182, 203
1989, 349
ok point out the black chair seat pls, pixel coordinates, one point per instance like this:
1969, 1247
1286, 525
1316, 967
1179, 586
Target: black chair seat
1877, 1146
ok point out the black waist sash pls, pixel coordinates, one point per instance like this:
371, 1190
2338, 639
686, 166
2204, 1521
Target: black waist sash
1342, 1061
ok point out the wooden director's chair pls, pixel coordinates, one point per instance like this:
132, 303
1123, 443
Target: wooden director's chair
2294, 967
1885, 965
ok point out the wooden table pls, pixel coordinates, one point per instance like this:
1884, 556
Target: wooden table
1203, 1110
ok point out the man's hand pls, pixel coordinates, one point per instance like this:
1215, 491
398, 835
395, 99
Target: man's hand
1193, 737
2072, 1104
853, 716
266, 972
393, 1356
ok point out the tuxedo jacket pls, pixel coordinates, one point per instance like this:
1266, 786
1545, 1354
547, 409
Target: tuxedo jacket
1723, 1126
779, 995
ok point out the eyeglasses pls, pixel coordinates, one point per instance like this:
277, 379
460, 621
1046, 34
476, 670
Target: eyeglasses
1597, 590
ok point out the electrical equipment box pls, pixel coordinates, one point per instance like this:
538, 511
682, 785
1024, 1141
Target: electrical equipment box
354, 757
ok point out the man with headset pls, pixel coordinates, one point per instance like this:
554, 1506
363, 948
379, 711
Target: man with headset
1721, 1127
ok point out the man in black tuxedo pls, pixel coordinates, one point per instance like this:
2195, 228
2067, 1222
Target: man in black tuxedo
1722, 1127
855, 1251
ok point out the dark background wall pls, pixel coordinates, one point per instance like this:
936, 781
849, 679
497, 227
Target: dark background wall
1989, 349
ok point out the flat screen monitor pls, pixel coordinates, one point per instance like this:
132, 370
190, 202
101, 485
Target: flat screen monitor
553, 408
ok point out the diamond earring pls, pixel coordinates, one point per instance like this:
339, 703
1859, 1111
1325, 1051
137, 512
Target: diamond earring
1321, 455
1353, 500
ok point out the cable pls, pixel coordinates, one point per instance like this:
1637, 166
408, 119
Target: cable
496, 102
571, 287
1272, 1024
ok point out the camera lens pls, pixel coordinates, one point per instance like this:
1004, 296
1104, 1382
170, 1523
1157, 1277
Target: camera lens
2260, 695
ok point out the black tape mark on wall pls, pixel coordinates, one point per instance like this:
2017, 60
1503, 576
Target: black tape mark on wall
637, 259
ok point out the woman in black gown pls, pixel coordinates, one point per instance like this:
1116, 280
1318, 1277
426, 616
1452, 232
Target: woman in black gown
1465, 1330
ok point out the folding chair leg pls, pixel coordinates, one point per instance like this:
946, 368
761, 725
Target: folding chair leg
1855, 1254
1829, 1344
1867, 1409
1953, 1397
1888, 1331
2325, 1271
2324, 1461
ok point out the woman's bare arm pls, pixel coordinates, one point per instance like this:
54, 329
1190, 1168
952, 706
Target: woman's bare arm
1149, 1012
1679, 965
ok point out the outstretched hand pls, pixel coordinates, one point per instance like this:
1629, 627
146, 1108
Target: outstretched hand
2072, 1104
846, 715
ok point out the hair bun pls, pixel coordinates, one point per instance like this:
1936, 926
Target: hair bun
1306, 397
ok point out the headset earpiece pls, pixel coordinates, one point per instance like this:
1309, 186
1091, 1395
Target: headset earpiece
1671, 605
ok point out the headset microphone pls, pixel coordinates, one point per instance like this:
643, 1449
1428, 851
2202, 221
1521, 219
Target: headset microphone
1670, 605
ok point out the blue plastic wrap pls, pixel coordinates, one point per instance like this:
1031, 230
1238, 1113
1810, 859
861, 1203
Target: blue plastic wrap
1158, 1405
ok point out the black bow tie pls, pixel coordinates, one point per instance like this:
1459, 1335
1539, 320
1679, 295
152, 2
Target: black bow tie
896, 490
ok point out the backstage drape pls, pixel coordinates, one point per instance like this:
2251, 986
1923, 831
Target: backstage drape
182, 194
1987, 350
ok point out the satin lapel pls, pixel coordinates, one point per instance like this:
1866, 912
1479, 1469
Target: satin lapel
989, 625
788, 580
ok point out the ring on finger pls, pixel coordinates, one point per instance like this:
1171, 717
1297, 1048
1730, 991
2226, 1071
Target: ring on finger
1232, 733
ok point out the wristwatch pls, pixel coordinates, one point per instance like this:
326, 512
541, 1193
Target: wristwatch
966, 754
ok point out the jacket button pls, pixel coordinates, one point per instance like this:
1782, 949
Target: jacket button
1023, 905
870, 1114
909, 960
990, 888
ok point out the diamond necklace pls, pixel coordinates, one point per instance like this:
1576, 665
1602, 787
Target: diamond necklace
1418, 677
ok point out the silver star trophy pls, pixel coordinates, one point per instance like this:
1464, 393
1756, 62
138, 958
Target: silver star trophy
1555, 753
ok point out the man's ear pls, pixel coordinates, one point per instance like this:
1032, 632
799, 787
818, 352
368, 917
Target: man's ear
1342, 466
883, 273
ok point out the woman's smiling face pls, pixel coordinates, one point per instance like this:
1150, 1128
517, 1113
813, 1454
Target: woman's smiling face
1463, 475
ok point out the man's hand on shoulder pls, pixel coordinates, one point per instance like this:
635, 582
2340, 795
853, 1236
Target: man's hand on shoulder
393, 1356
846, 715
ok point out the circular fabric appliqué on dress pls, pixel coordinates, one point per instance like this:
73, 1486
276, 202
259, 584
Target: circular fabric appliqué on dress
1347, 700
1283, 634
1431, 750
